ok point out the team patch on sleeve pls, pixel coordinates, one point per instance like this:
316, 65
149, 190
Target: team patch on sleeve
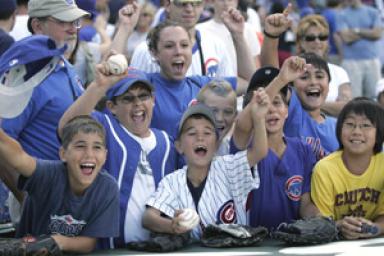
227, 213
293, 187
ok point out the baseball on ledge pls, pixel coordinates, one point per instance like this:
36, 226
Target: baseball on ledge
117, 64
190, 218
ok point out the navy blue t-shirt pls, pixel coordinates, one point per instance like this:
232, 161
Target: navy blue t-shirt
51, 207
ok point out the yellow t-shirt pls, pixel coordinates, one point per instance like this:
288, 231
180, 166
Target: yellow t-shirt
339, 193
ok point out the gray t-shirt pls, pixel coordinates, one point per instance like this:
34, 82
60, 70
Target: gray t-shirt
51, 207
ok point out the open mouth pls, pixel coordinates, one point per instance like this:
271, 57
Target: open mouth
272, 121
201, 150
138, 116
313, 93
178, 65
357, 142
87, 168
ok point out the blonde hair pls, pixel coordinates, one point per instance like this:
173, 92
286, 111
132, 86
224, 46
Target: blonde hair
220, 88
313, 20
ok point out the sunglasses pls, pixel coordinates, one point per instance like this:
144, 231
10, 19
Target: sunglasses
184, 4
127, 99
311, 38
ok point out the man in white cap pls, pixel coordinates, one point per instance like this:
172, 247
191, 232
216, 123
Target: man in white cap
58, 19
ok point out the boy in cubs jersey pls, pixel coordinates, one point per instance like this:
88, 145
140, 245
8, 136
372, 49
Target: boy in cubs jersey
216, 187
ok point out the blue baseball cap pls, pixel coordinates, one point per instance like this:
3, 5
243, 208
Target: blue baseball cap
8, 6
88, 6
133, 77
23, 67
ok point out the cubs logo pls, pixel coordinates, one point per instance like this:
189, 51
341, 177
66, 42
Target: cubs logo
227, 213
211, 67
293, 187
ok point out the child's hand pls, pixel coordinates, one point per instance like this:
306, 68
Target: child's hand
350, 227
129, 15
176, 227
368, 228
104, 78
293, 68
233, 20
277, 23
260, 103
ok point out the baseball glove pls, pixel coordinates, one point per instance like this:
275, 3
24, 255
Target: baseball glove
44, 246
160, 242
315, 230
232, 235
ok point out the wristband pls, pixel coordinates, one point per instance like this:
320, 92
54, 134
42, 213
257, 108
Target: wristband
270, 36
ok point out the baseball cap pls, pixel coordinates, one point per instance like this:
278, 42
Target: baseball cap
23, 67
133, 77
261, 78
8, 6
88, 6
186, 1
64, 10
197, 109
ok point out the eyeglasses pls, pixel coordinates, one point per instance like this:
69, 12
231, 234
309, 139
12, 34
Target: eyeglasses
127, 99
76, 23
184, 4
363, 126
311, 38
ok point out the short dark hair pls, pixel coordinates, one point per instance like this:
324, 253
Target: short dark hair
369, 108
317, 62
85, 124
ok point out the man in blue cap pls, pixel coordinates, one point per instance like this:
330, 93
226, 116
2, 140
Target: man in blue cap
7, 21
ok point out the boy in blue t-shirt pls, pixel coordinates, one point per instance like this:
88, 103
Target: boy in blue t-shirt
73, 200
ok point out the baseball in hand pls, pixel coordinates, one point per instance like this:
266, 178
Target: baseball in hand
117, 64
189, 218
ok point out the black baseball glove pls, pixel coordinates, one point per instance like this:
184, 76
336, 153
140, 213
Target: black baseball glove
160, 242
29, 246
315, 230
232, 235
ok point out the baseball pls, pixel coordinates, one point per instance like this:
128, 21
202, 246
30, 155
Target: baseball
117, 64
190, 218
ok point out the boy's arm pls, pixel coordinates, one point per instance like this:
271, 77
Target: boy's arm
128, 17
85, 104
307, 207
259, 108
235, 23
153, 221
292, 68
12, 154
274, 26
77, 244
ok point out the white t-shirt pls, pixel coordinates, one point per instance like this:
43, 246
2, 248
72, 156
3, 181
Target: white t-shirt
20, 30
219, 29
216, 60
134, 40
143, 186
338, 76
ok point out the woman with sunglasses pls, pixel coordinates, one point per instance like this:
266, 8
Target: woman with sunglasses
312, 36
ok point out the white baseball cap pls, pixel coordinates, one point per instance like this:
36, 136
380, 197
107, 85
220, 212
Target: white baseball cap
64, 10
23, 67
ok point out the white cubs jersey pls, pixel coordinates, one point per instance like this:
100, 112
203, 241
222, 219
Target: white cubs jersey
223, 199
216, 59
